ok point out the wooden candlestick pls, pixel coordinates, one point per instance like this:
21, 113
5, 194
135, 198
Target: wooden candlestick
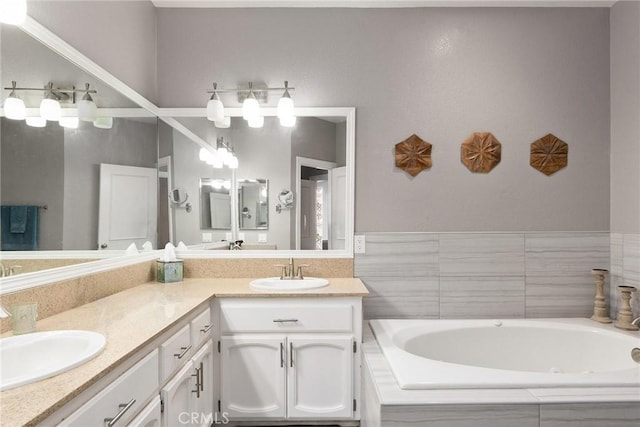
600, 305
625, 315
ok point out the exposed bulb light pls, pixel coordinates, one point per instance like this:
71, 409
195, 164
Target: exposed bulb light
204, 154
233, 163
14, 107
285, 104
256, 122
215, 109
36, 121
250, 106
223, 124
103, 122
13, 12
87, 109
69, 122
288, 122
50, 107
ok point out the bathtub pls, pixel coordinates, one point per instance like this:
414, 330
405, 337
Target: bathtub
522, 353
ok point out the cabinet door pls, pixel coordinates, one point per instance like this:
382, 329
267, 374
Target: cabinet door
176, 395
150, 415
253, 376
202, 364
320, 376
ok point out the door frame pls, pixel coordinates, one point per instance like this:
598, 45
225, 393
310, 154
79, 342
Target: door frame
312, 163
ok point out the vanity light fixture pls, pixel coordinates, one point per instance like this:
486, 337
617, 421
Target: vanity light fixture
251, 99
13, 12
51, 109
14, 108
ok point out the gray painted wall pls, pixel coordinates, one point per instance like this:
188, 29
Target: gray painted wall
120, 36
441, 73
625, 117
128, 143
32, 172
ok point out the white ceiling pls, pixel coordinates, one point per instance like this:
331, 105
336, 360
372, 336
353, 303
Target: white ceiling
383, 3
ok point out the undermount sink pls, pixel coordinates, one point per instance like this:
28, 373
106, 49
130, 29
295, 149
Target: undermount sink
277, 284
32, 357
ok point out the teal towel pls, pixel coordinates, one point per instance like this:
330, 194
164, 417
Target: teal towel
27, 241
18, 222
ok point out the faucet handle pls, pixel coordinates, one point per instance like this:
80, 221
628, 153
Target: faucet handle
299, 274
283, 271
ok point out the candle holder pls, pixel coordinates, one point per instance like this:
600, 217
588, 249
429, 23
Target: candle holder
599, 304
625, 315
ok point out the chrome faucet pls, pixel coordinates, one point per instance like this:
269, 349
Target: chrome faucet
636, 322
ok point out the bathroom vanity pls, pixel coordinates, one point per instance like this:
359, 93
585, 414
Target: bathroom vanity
202, 351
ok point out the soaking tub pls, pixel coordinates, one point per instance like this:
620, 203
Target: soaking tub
522, 353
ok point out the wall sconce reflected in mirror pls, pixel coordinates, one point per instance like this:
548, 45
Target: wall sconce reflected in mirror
178, 198
286, 199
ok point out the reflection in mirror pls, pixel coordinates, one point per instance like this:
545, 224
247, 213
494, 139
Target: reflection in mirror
253, 204
58, 165
215, 204
269, 152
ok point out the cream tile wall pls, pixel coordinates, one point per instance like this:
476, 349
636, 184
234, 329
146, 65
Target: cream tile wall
625, 269
476, 275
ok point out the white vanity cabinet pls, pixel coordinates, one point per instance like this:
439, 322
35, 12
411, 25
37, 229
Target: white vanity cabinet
290, 358
150, 416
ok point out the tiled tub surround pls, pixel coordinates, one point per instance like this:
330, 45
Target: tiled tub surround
385, 404
481, 275
62, 296
131, 320
625, 269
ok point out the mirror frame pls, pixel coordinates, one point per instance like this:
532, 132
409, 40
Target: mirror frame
171, 116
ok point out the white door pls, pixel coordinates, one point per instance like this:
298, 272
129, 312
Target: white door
150, 415
320, 378
307, 214
202, 364
177, 399
128, 206
220, 210
338, 184
253, 377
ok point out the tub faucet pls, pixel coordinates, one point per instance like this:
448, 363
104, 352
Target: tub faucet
636, 322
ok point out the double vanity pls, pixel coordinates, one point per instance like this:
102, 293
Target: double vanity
205, 351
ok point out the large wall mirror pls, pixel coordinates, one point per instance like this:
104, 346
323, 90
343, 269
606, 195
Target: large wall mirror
292, 189
56, 171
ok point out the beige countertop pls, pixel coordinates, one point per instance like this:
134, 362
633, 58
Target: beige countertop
129, 320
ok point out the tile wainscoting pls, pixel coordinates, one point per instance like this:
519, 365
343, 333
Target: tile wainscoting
486, 275
625, 269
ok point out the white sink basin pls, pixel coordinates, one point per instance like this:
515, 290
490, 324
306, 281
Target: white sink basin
32, 357
277, 284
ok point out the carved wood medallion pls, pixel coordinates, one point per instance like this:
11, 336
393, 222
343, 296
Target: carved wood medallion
549, 154
480, 152
413, 155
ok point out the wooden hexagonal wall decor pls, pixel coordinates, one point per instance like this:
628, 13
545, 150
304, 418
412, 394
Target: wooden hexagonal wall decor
480, 152
549, 154
413, 155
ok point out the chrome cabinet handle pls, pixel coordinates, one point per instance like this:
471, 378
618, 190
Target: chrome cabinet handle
201, 376
198, 384
184, 351
291, 354
284, 320
124, 407
282, 355
206, 328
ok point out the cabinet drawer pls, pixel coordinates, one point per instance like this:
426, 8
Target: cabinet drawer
124, 396
174, 352
284, 316
201, 327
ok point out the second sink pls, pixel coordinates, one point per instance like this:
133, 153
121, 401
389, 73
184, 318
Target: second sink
277, 284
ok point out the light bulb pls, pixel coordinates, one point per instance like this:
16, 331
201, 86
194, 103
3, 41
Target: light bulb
36, 122
103, 122
13, 12
69, 122
233, 163
14, 108
288, 122
256, 122
223, 124
50, 109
